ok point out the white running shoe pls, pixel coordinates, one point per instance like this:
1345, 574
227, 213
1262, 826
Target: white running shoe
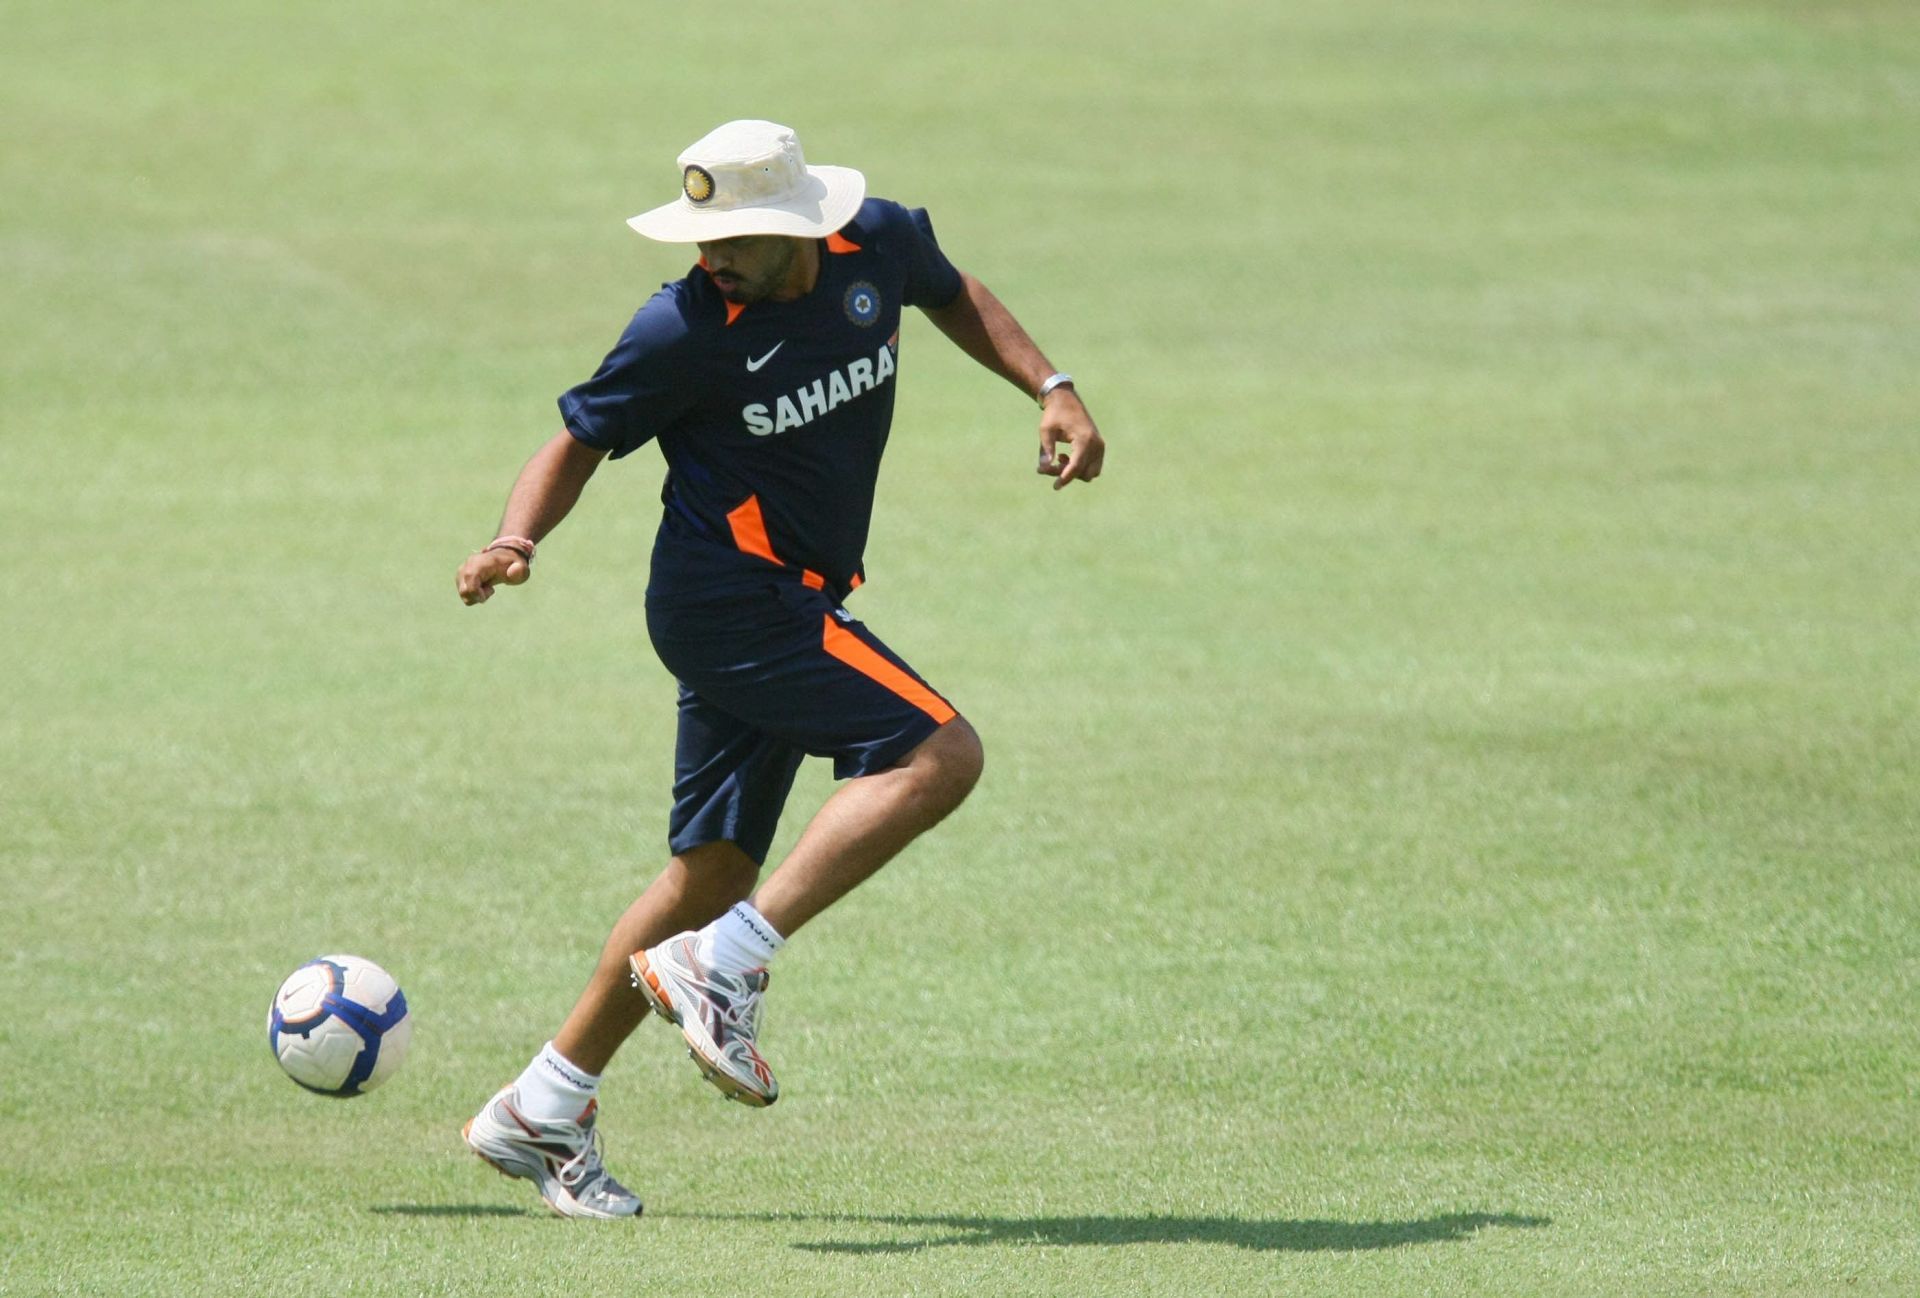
718, 1014
562, 1158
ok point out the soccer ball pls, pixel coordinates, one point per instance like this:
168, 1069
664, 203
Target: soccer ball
339, 1025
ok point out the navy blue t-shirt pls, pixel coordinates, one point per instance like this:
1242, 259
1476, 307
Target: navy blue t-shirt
772, 416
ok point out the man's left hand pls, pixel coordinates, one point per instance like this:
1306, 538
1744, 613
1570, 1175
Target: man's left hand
1064, 422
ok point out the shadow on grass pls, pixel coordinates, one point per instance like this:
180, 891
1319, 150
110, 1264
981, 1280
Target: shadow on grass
451, 1210
1276, 1236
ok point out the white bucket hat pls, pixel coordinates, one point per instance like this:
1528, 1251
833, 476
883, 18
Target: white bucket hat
748, 177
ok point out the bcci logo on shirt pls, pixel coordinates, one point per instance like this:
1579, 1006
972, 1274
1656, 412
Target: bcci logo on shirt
862, 303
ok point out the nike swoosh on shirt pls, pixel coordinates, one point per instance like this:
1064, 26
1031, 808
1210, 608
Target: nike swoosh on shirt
753, 365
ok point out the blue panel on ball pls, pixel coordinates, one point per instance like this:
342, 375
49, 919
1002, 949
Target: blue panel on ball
371, 1027
368, 1025
396, 1010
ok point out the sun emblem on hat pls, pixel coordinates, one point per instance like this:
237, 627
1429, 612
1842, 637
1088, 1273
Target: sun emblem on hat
698, 182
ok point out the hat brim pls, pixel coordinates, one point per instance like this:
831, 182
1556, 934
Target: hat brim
829, 200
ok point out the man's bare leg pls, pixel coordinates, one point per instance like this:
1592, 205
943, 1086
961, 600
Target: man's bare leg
540, 1127
867, 822
863, 825
710, 982
695, 888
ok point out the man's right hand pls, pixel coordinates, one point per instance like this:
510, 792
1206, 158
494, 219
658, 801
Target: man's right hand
487, 569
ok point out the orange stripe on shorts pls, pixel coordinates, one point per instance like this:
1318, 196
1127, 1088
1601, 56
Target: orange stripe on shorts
863, 658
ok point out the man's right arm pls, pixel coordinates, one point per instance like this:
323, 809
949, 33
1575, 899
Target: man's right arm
543, 494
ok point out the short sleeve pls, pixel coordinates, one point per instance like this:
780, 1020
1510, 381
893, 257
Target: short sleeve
640, 388
932, 280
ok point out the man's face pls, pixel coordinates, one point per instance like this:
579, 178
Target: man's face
751, 267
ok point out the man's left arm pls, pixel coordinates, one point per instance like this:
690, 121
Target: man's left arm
1070, 446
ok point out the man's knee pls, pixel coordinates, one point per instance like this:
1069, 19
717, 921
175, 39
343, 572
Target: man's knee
955, 760
717, 874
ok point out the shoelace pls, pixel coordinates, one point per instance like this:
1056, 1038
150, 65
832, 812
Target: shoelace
577, 1172
742, 991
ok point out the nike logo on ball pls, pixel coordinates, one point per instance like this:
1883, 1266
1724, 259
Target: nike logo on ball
753, 365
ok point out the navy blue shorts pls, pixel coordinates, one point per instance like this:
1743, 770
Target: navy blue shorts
767, 677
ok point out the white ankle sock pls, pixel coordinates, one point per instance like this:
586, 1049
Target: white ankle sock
738, 941
553, 1088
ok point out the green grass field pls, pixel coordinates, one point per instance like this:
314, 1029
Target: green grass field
1450, 821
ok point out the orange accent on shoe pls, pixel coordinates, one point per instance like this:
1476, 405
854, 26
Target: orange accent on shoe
869, 662
658, 990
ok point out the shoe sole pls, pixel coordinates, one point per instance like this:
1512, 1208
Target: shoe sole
732, 1088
